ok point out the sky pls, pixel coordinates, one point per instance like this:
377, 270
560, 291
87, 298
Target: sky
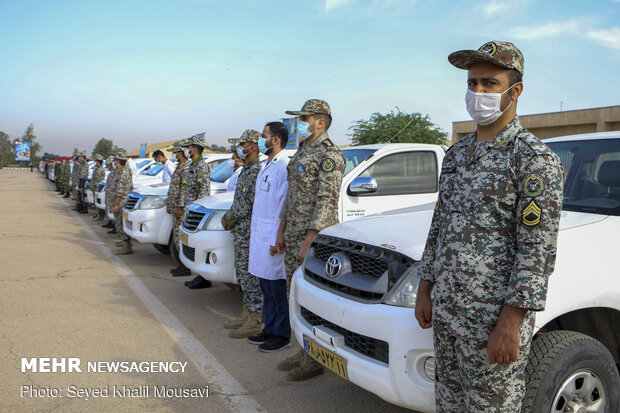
158, 70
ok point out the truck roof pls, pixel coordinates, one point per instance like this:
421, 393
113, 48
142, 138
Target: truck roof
584, 137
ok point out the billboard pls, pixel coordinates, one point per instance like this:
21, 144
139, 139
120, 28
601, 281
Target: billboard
22, 151
291, 125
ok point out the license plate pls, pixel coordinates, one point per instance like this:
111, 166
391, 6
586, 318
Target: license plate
184, 237
125, 215
325, 357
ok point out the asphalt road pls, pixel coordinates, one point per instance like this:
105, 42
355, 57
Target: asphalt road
66, 295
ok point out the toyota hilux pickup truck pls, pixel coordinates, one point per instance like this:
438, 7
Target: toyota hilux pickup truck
377, 178
144, 216
352, 301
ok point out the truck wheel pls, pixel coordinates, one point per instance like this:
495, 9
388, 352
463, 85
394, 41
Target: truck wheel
570, 372
162, 248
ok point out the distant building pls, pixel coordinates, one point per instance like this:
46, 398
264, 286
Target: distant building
550, 125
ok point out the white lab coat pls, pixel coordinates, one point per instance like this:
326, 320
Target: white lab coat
232, 181
271, 187
169, 168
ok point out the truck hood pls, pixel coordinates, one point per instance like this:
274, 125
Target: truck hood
402, 230
159, 189
218, 201
405, 230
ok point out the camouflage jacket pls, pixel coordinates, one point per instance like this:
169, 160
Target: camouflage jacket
98, 176
110, 184
57, 171
314, 176
84, 170
124, 183
66, 174
176, 190
494, 230
240, 213
75, 173
198, 181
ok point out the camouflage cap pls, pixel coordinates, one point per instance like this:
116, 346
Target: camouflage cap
120, 154
195, 140
98, 158
312, 107
249, 135
83, 154
503, 54
175, 149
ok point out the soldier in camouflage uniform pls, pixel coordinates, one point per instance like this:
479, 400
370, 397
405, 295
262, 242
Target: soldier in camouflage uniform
238, 220
98, 176
75, 179
110, 190
314, 178
83, 177
123, 186
66, 177
174, 202
198, 186
57, 175
492, 242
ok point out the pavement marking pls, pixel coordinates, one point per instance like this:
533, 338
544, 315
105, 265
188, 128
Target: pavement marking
232, 392
219, 313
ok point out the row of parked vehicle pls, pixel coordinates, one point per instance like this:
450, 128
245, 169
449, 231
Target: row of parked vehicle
360, 316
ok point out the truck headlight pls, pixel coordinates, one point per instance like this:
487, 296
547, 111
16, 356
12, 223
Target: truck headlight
405, 291
152, 202
214, 222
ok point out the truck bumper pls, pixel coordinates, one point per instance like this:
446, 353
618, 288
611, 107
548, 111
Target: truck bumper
327, 318
210, 254
149, 226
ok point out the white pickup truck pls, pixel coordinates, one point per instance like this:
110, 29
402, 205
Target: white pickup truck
361, 319
141, 167
144, 216
377, 178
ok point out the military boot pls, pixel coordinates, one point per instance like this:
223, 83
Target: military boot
120, 243
125, 249
308, 368
292, 362
237, 322
251, 327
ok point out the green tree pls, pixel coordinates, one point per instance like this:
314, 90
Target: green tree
103, 147
6, 149
29, 136
396, 127
218, 148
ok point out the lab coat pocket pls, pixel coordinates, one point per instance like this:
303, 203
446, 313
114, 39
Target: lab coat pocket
263, 230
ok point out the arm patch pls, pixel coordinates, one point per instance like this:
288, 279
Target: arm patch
328, 165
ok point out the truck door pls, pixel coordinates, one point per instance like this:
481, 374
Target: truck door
394, 181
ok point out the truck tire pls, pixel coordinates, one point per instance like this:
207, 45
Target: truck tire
162, 248
570, 372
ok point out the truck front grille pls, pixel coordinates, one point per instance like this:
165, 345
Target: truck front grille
371, 347
192, 220
365, 278
131, 202
189, 252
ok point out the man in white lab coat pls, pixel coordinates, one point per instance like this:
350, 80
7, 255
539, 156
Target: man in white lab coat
265, 263
169, 165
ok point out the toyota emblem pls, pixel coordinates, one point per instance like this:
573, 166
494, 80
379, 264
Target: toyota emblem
333, 266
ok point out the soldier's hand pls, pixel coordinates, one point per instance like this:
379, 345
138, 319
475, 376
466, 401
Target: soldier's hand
503, 345
424, 305
280, 243
225, 224
178, 212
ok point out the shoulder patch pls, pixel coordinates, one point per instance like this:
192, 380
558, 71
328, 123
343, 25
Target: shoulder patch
328, 165
300, 169
327, 143
532, 214
533, 185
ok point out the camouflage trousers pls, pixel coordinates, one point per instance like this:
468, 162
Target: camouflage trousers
176, 224
294, 239
118, 225
250, 286
465, 379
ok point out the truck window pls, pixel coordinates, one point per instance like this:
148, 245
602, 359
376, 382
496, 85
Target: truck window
404, 173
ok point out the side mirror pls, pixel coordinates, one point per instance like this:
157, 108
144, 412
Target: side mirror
363, 185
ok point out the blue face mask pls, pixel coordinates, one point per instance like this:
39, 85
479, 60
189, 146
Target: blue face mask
302, 129
262, 147
240, 152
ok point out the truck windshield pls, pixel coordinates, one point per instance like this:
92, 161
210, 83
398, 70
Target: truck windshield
355, 156
153, 169
221, 172
591, 175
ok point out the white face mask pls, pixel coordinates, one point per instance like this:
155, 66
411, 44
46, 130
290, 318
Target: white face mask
186, 153
484, 108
